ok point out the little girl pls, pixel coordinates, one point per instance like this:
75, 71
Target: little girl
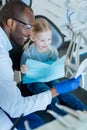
42, 49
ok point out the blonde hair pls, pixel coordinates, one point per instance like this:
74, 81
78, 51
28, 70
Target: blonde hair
42, 25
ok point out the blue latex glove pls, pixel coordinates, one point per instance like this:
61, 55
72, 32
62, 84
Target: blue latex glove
68, 85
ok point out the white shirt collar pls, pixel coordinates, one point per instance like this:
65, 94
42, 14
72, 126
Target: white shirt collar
4, 40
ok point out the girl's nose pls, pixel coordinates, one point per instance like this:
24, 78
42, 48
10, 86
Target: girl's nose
45, 42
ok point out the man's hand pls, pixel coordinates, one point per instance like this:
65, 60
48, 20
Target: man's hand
68, 85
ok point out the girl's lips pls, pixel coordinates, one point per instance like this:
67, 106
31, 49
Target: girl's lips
44, 46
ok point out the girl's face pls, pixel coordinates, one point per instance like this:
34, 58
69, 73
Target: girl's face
43, 40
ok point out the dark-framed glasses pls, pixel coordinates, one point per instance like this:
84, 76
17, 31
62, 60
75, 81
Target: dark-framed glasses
27, 26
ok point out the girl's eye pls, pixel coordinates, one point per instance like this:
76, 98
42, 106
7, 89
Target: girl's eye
41, 40
49, 39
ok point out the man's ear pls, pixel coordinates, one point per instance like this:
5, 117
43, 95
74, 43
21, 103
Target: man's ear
10, 23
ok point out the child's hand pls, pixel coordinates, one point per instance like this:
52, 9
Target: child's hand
24, 69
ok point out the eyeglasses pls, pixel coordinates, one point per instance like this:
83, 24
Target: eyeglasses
27, 26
